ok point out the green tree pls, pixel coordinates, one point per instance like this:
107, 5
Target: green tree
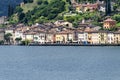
18, 40
108, 7
18, 9
10, 10
7, 38
26, 42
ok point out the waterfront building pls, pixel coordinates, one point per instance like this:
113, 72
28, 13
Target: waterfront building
117, 37
61, 37
103, 37
18, 33
71, 37
2, 35
50, 37
64, 36
82, 37
29, 35
95, 37
3, 19
39, 37
110, 38
11, 31
89, 37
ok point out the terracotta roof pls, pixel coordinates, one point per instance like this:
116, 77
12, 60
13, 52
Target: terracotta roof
109, 19
65, 32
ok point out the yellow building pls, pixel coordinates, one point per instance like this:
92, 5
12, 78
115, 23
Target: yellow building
103, 37
95, 38
64, 37
61, 38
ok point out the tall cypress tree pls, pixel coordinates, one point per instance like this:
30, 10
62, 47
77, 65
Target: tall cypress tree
10, 10
108, 7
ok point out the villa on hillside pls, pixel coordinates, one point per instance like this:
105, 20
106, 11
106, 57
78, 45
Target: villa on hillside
100, 6
109, 23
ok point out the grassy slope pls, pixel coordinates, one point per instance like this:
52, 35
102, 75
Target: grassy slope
30, 6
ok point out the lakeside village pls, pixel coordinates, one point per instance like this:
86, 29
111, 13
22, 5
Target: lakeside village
62, 32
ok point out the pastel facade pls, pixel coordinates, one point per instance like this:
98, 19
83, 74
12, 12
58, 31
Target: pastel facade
11, 31
29, 37
39, 37
61, 38
50, 38
103, 37
89, 37
86, 7
110, 38
19, 34
2, 35
82, 37
64, 37
116, 37
71, 37
95, 38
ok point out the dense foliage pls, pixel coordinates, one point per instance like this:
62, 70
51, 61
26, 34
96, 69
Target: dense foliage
52, 10
44, 12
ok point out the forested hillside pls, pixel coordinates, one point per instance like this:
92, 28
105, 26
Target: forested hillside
40, 11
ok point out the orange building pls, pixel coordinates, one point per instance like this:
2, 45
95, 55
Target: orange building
109, 23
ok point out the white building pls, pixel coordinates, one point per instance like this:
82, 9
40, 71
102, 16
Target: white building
110, 38
39, 37
82, 37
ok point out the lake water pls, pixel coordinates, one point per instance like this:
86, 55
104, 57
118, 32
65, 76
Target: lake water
59, 63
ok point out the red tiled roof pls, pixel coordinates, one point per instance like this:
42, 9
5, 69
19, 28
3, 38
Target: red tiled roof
109, 19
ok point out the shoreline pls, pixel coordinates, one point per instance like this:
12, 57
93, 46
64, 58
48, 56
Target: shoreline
74, 45
60, 44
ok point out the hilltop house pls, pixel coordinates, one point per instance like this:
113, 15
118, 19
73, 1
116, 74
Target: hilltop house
87, 7
109, 23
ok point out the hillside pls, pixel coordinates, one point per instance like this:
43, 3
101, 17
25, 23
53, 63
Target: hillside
41, 11
31, 6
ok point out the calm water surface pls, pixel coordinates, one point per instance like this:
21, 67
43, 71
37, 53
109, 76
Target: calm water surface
59, 63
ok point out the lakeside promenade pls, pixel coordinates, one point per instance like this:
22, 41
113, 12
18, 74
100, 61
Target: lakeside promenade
71, 44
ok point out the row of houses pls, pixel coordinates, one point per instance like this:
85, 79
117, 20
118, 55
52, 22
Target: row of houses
51, 34
99, 6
